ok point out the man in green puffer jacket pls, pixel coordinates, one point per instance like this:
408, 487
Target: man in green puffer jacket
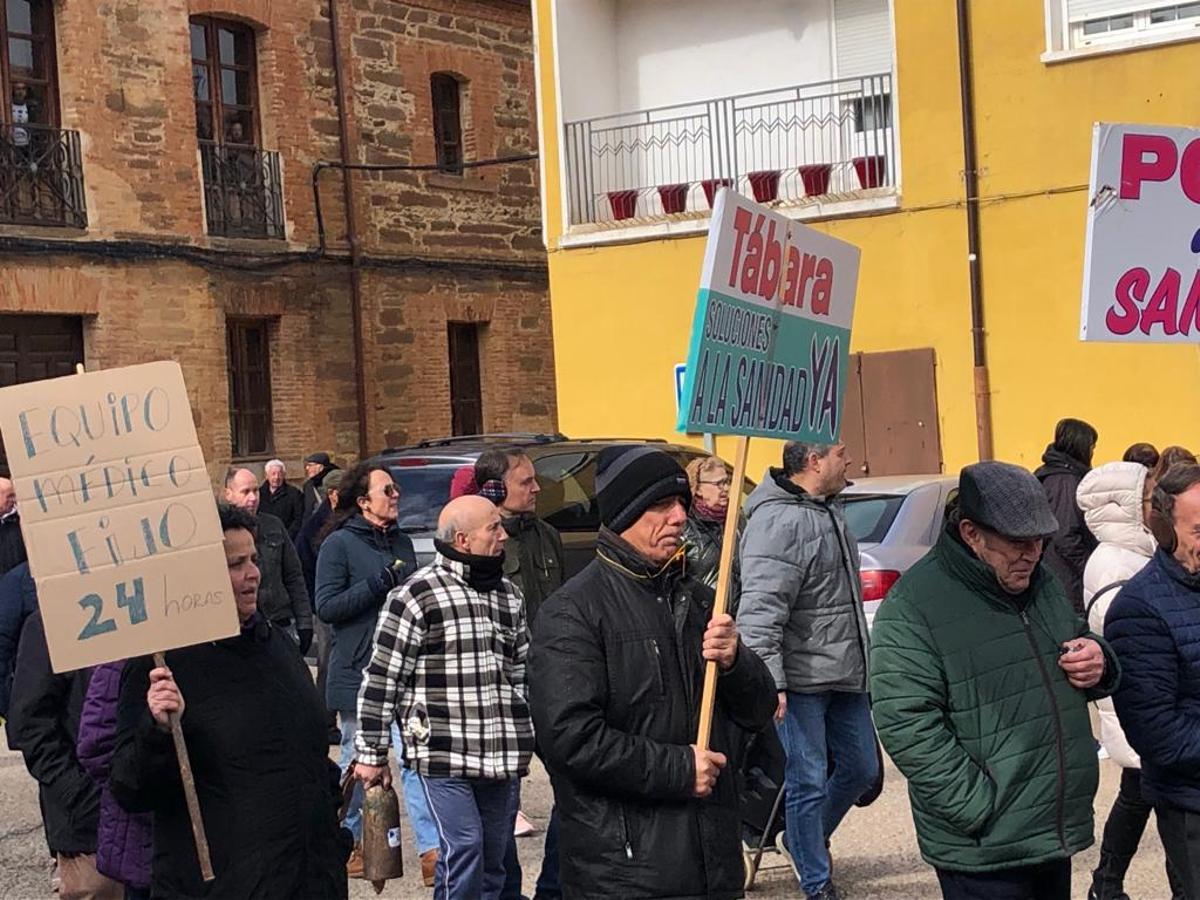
980, 673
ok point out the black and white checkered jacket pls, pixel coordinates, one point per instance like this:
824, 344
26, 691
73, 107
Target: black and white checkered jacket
448, 664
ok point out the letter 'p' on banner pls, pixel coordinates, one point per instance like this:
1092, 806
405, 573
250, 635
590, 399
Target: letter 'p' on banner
1141, 278
117, 513
770, 340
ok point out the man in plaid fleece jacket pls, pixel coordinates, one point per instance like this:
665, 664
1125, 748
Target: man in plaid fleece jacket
449, 664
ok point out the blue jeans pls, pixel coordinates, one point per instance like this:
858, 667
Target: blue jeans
820, 729
414, 798
474, 819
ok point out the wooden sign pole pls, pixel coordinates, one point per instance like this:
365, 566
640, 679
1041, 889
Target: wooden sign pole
189, 788
728, 549
185, 770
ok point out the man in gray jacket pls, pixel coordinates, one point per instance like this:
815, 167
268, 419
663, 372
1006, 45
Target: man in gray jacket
801, 612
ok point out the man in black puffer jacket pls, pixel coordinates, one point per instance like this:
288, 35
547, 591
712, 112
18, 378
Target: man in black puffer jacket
616, 673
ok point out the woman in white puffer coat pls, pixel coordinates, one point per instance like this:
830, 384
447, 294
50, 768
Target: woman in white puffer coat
1113, 499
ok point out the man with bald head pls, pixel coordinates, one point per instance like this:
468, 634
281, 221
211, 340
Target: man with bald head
282, 593
12, 545
449, 665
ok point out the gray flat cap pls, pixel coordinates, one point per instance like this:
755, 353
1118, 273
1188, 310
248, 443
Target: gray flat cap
1006, 499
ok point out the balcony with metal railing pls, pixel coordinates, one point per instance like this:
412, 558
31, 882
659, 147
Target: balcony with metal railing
41, 177
243, 195
820, 143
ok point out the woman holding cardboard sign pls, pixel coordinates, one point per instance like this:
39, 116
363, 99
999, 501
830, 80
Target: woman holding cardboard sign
255, 728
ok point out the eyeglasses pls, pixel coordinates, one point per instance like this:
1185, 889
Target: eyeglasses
725, 483
389, 490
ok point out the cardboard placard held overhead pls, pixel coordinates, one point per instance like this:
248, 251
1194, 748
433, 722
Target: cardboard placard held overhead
1141, 283
117, 513
771, 335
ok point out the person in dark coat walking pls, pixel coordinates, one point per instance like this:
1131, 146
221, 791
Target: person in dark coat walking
280, 499
125, 841
308, 544
255, 731
18, 598
43, 723
12, 544
1064, 464
1153, 626
282, 596
316, 467
363, 557
616, 673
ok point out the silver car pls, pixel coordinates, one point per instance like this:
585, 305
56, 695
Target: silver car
896, 520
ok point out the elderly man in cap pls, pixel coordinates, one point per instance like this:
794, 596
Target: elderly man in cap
616, 674
981, 672
316, 467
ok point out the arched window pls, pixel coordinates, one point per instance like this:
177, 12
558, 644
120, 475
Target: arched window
447, 122
224, 82
27, 71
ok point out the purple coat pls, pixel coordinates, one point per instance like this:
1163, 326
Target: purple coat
125, 846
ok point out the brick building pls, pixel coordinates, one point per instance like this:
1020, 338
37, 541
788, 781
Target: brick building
157, 201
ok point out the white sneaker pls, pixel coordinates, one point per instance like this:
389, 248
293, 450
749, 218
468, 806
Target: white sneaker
523, 827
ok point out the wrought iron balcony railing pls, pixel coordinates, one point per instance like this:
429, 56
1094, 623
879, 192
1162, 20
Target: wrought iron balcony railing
808, 143
41, 177
242, 191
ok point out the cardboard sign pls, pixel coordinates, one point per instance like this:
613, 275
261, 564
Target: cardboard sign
1141, 280
771, 337
117, 514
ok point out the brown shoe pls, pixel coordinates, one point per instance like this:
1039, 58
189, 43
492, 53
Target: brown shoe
429, 867
354, 865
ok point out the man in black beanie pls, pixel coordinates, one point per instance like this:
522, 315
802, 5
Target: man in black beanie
616, 674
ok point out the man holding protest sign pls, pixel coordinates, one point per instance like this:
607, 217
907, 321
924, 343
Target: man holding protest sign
616, 670
256, 725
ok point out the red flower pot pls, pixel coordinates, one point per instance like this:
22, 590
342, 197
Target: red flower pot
765, 185
623, 203
872, 170
673, 196
816, 179
712, 185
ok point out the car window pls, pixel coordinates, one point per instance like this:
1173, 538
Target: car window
424, 491
568, 497
869, 516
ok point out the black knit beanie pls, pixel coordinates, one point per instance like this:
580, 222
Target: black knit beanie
632, 478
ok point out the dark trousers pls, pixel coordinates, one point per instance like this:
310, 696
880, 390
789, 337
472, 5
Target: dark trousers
1180, 833
548, 887
1122, 834
474, 820
1047, 881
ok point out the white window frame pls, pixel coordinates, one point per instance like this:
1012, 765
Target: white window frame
1066, 41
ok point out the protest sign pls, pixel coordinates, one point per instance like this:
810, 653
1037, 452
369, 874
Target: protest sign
117, 513
770, 343
770, 351
1141, 282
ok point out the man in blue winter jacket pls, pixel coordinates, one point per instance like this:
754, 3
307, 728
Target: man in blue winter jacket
1154, 628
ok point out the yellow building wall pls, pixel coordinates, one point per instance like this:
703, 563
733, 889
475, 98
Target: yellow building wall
622, 313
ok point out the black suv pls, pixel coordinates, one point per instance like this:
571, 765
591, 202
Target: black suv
566, 471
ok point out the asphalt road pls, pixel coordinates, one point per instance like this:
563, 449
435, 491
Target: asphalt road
875, 851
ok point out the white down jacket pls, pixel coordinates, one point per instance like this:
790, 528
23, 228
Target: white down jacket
1111, 500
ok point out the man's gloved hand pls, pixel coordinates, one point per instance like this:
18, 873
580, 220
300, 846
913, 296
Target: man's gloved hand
306, 639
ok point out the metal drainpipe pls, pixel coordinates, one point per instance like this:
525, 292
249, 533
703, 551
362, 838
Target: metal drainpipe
360, 376
983, 392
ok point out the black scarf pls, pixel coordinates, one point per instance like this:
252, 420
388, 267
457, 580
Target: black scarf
484, 573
